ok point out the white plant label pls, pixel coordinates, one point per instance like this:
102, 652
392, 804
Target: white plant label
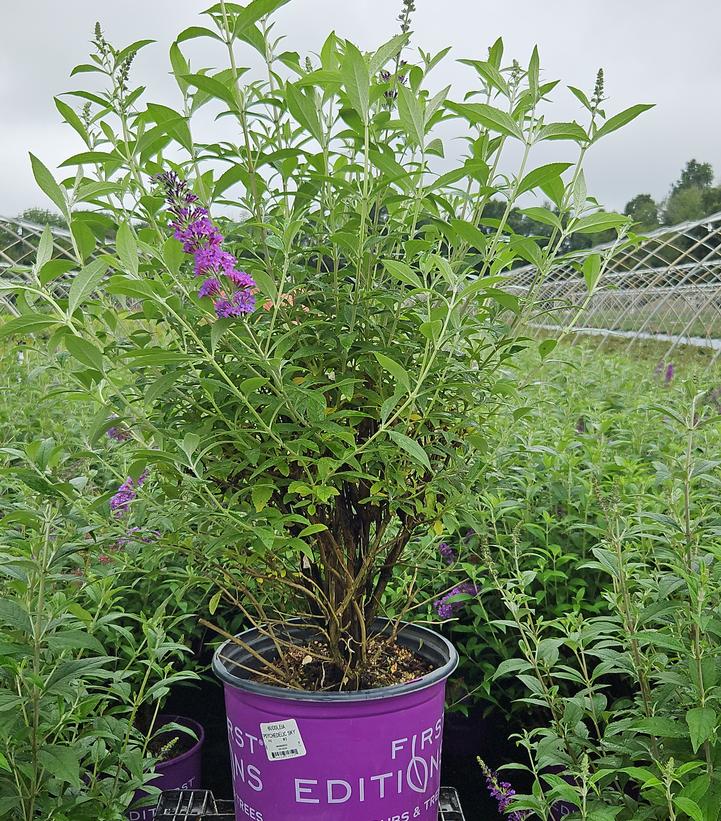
282, 740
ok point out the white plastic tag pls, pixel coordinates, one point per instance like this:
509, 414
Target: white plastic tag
282, 740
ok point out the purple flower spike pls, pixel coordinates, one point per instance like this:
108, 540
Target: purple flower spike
501, 791
210, 287
239, 303
126, 493
446, 607
240, 278
668, 376
194, 228
447, 553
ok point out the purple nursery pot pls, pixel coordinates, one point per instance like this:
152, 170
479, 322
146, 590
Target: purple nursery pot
179, 773
371, 755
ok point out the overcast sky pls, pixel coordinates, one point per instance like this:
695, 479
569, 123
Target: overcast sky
660, 51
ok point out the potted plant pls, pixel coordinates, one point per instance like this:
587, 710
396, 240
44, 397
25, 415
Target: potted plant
309, 374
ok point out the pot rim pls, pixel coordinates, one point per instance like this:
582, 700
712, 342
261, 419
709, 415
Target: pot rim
191, 724
422, 640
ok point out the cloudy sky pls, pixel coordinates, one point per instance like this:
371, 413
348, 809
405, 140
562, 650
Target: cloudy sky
659, 51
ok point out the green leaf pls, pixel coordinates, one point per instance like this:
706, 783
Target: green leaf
53, 269
48, 186
661, 727
470, 233
71, 117
490, 74
581, 96
411, 116
93, 157
356, 80
193, 32
26, 324
179, 64
387, 51
397, 371
312, 529
562, 131
62, 762
261, 494
619, 120
85, 352
214, 602
45, 248
598, 222
411, 447
541, 175
489, 117
534, 73
591, 270
302, 106
690, 807
545, 347
432, 330
403, 272
544, 216
75, 640
701, 724
252, 384
84, 238
190, 444
173, 254
255, 11
85, 283
127, 247
215, 88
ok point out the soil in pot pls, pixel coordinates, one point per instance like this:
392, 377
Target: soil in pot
308, 666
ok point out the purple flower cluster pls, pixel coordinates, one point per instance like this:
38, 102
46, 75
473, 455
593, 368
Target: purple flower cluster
501, 791
117, 432
233, 291
446, 607
126, 493
667, 370
448, 554
386, 76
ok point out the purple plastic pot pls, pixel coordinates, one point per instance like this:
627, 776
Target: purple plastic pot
371, 755
180, 773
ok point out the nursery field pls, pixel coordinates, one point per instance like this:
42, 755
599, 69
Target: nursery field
580, 585
292, 507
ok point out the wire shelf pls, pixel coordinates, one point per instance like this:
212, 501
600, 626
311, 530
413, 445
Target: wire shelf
201, 805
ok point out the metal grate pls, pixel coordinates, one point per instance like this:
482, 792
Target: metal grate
449, 806
200, 805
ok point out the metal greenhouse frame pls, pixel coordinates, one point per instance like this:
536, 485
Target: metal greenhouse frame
667, 287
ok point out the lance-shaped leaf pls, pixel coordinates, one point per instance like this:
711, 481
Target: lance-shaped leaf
356, 80
396, 370
411, 447
488, 117
541, 175
619, 120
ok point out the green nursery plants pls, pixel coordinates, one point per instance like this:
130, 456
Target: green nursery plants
77, 671
303, 325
